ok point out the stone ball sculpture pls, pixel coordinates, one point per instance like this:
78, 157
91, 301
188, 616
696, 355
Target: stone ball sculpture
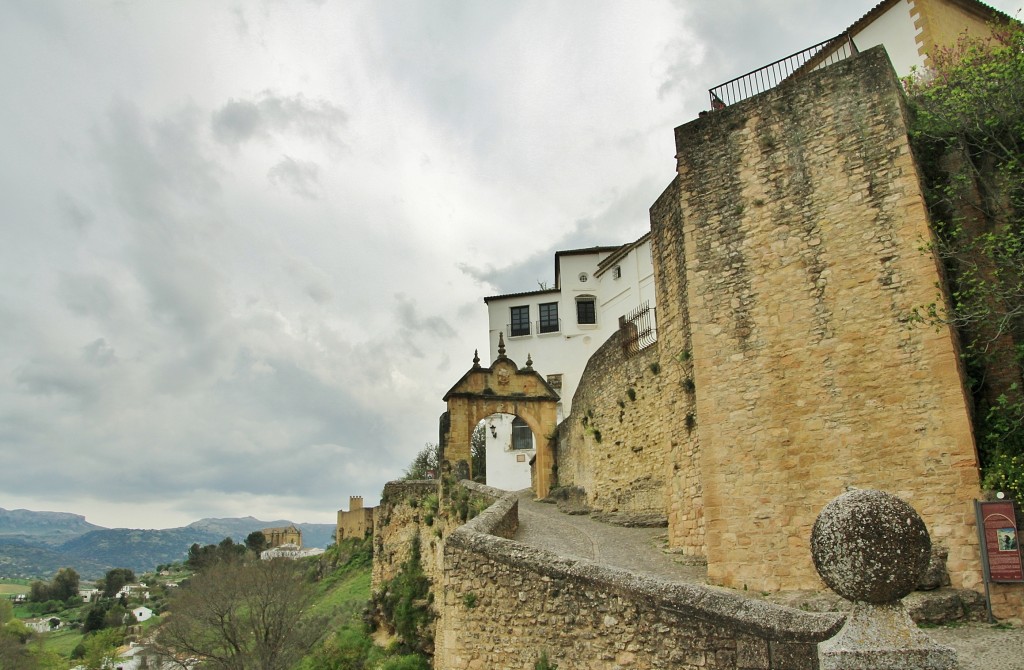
870, 546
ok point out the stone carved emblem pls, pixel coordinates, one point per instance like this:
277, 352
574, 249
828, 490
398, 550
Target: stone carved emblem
503, 377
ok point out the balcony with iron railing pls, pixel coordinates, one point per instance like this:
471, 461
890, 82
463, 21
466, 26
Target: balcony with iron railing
769, 76
526, 328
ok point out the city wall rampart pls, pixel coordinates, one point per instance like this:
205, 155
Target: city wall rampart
503, 604
399, 519
614, 445
788, 258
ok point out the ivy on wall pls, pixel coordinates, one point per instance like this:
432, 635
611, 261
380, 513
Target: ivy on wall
967, 129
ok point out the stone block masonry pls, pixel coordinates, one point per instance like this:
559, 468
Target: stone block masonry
615, 442
503, 604
788, 256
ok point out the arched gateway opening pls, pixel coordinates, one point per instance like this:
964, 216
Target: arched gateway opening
503, 388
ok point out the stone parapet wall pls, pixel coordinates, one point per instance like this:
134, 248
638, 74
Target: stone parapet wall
798, 220
615, 443
503, 604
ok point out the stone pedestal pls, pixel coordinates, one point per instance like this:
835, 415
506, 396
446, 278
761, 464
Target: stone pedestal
883, 637
870, 547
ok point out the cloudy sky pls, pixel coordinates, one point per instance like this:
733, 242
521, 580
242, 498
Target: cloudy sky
244, 245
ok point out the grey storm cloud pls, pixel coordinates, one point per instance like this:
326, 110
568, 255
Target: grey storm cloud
75, 213
410, 319
300, 177
99, 353
239, 121
158, 166
86, 294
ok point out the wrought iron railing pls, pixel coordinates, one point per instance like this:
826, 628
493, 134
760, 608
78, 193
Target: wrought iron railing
639, 328
768, 77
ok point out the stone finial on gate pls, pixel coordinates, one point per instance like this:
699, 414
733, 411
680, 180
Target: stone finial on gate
870, 547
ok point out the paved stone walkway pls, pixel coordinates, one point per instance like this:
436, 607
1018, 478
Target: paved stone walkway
542, 525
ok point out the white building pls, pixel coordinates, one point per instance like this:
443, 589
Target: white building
289, 550
142, 614
561, 327
558, 330
911, 29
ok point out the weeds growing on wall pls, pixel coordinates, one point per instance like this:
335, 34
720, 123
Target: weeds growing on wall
968, 132
405, 603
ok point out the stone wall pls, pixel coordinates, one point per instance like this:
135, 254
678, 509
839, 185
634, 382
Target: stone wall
400, 517
503, 604
614, 444
788, 257
685, 493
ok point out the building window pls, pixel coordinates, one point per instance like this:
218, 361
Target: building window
583, 277
520, 324
617, 272
549, 317
522, 436
586, 312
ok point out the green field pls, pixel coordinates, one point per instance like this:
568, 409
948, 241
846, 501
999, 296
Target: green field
9, 589
62, 641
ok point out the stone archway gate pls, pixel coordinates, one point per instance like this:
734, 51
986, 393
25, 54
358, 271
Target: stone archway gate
507, 389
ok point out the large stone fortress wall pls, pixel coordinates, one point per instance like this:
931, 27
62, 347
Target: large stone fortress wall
614, 444
788, 257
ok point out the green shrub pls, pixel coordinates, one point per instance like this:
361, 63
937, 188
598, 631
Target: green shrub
1005, 473
407, 662
543, 663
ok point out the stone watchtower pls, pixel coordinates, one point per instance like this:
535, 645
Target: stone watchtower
356, 522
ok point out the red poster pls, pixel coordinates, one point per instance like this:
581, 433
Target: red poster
1001, 545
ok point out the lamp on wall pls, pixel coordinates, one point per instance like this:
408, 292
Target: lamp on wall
494, 431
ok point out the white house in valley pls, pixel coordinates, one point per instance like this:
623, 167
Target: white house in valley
557, 330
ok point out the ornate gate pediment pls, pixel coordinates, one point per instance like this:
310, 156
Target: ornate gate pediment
503, 388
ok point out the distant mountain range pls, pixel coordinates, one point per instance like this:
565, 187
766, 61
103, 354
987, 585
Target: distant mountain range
35, 545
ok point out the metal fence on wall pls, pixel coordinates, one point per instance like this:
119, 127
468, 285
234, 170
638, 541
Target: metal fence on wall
768, 77
640, 332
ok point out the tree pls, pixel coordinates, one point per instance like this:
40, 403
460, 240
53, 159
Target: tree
478, 452
63, 586
95, 618
968, 131
425, 464
200, 558
114, 580
101, 649
21, 650
242, 616
256, 542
